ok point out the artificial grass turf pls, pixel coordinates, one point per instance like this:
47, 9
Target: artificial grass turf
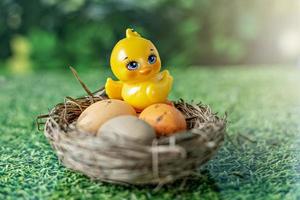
259, 160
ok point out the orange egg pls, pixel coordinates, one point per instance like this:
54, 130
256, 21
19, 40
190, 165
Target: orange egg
165, 119
98, 113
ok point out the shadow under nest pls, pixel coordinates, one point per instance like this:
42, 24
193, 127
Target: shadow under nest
124, 161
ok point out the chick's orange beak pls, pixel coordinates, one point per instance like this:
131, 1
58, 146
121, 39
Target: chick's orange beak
145, 70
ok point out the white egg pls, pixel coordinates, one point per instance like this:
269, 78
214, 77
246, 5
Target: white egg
127, 128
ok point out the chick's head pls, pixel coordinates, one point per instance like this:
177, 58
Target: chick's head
134, 58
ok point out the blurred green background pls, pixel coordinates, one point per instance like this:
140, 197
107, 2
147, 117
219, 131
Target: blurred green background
53, 34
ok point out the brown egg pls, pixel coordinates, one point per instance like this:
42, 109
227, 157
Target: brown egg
128, 128
98, 113
164, 118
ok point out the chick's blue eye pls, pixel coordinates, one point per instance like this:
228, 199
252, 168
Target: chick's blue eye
132, 65
152, 59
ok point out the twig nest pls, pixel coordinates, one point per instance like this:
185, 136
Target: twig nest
127, 128
98, 113
139, 158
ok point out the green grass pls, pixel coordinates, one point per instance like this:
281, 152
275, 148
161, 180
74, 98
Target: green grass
259, 160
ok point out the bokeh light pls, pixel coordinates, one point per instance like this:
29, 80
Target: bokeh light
187, 32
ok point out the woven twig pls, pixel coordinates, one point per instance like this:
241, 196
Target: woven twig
167, 159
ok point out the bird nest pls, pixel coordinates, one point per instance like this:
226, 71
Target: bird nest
124, 161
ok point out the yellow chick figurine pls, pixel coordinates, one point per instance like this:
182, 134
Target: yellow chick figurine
136, 63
